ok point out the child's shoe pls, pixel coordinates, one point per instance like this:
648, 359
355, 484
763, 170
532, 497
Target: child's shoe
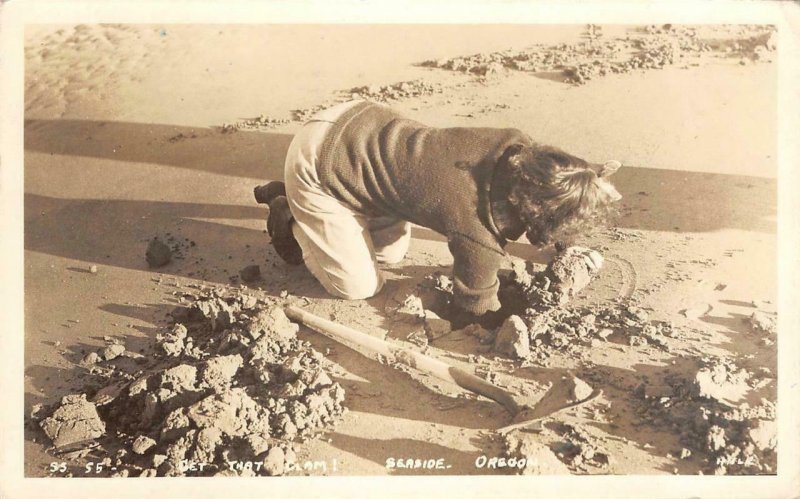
279, 228
266, 193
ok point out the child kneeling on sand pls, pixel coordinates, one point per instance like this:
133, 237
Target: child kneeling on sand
359, 174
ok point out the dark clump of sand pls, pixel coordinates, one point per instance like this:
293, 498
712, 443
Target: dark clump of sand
158, 254
250, 273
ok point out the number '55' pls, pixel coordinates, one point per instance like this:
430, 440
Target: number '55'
58, 467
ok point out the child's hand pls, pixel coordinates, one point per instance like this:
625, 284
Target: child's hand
593, 259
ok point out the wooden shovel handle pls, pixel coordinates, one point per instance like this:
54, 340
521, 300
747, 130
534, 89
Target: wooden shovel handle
419, 361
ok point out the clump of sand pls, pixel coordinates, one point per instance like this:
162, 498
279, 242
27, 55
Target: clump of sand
563, 278
74, 421
158, 254
764, 322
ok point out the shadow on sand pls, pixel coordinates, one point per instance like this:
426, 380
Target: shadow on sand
243, 153
653, 199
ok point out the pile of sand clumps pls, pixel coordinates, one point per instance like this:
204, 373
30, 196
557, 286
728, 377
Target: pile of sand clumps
387, 93
233, 384
396, 91
655, 47
539, 324
708, 413
539, 333
262, 122
706, 408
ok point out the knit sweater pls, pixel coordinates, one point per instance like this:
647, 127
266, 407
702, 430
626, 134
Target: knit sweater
382, 164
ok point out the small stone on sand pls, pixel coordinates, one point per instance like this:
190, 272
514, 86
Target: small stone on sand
412, 306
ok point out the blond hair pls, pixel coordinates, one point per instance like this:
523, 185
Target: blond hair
557, 195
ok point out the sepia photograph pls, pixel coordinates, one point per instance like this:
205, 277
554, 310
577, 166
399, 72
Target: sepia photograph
393, 248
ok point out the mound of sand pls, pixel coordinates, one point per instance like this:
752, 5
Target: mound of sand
233, 384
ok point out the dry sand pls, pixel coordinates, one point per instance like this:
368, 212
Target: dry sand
123, 143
